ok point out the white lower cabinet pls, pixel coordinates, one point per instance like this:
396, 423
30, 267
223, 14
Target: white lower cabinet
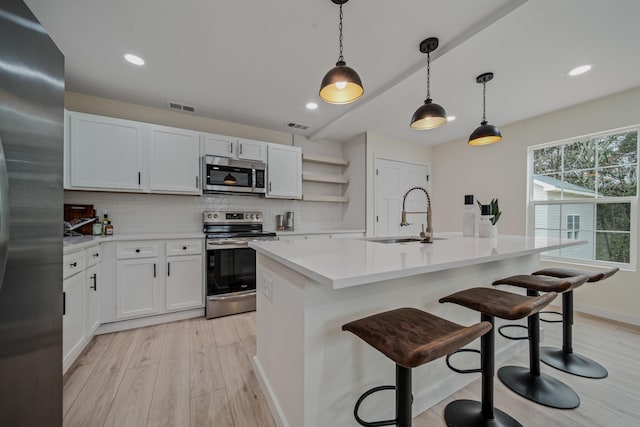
184, 282
92, 301
72, 318
137, 289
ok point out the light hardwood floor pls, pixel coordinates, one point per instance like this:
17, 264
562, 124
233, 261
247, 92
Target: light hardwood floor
198, 372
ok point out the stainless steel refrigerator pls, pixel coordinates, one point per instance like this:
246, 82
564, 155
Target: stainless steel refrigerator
31, 198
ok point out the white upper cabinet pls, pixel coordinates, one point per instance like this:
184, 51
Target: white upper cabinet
105, 153
284, 172
252, 150
219, 145
175, 160
226, 146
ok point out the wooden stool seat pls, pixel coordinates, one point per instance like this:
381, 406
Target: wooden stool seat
543, 283
505, 305
412, 337
564, 358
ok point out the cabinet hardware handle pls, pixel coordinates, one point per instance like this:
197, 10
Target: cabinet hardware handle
96, 255
95, 282
231, 145
184, 248
139, 178
73, 264
137, 251
168, 269
64, 303
197, 182
240, 149
269, 186
154, 269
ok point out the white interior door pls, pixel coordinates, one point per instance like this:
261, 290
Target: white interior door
392, 180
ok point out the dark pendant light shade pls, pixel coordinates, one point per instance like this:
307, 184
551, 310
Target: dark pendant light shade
341, 85
485, 133
429, 115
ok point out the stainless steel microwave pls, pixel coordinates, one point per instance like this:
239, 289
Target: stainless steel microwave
224, 175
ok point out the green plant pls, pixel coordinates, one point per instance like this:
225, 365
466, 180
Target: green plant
495, 210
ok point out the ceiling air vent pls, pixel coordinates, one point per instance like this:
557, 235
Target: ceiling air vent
181, 107
297, 126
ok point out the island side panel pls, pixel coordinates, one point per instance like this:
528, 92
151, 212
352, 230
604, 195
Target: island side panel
280, 339
339, 366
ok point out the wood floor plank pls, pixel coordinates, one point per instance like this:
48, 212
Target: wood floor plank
225, 331
211, 409
149, 346
206, 372
131, 405
175, 344
201, 334
77, 376
170, 405
101, 388
247, 403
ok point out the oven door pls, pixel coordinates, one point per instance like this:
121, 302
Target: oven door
229, 178
231, 280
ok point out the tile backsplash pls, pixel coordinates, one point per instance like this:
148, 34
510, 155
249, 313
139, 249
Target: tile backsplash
157, 213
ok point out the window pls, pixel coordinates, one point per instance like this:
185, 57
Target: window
587, 188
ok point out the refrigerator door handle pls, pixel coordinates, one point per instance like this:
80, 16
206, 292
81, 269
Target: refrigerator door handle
4, 213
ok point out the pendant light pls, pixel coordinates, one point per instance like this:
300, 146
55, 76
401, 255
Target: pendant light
341, 85
429, 115
485, 133
230, 179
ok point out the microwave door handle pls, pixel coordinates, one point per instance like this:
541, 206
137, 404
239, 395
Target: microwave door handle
4, 213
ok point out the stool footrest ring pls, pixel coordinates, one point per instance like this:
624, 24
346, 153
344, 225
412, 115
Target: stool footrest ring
367, 394
511, 337
463, 371
557, 313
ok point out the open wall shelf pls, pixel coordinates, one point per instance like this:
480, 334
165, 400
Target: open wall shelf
334, 199
324, 178
324, 160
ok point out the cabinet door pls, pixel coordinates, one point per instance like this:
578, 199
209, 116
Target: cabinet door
105, 153
175, 155
73, 318
185, 283
252, 150
137, 292
91, 300
284, 170
218, 145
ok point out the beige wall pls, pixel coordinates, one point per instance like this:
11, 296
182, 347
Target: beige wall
123, 110
379, 146
499, 170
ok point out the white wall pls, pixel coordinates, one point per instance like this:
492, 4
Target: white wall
500, 170
379, 146
148, 213
354, 212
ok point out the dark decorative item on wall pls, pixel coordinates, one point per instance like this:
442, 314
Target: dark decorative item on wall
341, 85
429, 115
485, 133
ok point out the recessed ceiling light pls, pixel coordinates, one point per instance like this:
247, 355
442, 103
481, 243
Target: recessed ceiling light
312, 105
134, 59
579, 70
451, 118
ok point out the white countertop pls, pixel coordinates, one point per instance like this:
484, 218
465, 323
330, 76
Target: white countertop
342, 263
80, 242
299, 232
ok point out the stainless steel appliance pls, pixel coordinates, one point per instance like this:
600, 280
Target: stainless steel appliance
224, 175
31, 198
231, 263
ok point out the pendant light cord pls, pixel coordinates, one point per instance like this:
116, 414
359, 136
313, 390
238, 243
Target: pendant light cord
428, 76
484, 102
340, 58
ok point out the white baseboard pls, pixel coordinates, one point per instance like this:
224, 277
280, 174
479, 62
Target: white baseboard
272, 402
123, 325
631, 319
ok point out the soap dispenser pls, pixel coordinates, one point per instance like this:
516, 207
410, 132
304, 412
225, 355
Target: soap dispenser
469, 217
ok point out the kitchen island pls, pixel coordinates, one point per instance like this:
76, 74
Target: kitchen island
311, 372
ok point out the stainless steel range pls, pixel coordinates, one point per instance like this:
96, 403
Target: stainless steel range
231, 263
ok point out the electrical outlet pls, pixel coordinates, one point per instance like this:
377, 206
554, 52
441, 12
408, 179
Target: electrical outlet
267, 288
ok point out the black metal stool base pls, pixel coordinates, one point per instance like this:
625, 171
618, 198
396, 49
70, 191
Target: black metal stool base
572, 363
542, 389
468, 413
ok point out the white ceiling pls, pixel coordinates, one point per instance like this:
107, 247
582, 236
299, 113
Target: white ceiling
259, 62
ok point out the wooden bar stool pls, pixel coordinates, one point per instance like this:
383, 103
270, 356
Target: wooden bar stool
410, 337
491, 303
531, 383
565, 359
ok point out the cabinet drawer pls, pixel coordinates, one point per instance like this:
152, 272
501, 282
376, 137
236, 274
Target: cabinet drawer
92, 255
132, 250
184, 247
72, 264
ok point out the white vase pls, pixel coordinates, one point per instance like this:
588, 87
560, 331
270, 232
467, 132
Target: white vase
487, 229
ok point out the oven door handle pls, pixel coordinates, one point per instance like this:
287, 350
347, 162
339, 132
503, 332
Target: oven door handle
216, 247
233, 296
